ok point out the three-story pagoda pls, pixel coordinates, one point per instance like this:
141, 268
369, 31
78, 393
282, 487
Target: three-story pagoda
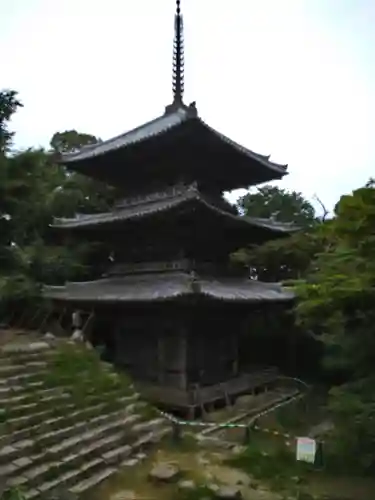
180, 320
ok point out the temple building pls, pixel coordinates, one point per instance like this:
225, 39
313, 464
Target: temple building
180, 318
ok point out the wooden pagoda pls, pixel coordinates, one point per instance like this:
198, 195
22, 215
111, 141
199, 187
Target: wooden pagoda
180, 319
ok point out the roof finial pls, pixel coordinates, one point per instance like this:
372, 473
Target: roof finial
178, 56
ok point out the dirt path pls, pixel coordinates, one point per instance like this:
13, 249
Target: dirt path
202, 467
207, 467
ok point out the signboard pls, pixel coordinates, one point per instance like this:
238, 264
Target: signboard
306, 449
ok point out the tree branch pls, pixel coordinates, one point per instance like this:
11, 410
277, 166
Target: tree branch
323, 207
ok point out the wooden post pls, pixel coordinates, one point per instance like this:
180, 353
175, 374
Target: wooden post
19, 323
226, 397
236, 351
183, 356
201, 402
46, 317
8, 322
61, 316
161, 356
176, 432
191, 412
247, 435
88, 322
33, 318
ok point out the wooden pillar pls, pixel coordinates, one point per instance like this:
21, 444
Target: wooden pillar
161, 356
235, 352
183, 356
171, 353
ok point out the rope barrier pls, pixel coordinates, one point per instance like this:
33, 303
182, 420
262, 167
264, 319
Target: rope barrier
228, 425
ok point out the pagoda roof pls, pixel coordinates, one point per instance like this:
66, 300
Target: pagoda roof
175, 144
155, 287
164, 202
161, 125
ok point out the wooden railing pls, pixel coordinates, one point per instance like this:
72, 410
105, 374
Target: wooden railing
179, 398
187, 265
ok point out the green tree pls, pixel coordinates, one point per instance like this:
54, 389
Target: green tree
71, 141
33, 190
336, 302
287, 258
9, 104
280, 204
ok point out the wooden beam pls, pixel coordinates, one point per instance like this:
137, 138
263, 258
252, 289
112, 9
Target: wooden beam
88, 323
19, 322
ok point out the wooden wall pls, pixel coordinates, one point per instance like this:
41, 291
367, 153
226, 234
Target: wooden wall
152, 349
212, 348
198, 344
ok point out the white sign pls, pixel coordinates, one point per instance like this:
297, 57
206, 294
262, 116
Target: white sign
306, 449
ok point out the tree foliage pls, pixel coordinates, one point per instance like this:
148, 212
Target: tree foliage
71, 141
337, 303
280, 204
286, 258
34, 190
9, 104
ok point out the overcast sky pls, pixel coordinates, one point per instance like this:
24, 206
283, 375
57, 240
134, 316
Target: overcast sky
290, 78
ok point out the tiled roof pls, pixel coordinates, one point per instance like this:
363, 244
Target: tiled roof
170, 120
167, 286
153, 206
150, 129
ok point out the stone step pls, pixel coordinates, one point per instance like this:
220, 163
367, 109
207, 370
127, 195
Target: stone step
25, 347
65, 480
71, 418
30, 475
6, 390
150, 425
36, 406
117, 455
24, 447
35, 479
90, 436
20, 358
91, 482
85, 425
7, 370
28, 390
37, 474
16, 423
150, 438
23, 378
24, 398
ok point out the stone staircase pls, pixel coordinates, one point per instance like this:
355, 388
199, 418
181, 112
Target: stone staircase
67, 421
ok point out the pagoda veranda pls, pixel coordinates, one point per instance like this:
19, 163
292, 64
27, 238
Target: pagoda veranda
176, 315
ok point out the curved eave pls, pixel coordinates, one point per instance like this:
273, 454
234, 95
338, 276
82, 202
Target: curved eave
153, 128
168, 286
170, 125
150, 209
278, 168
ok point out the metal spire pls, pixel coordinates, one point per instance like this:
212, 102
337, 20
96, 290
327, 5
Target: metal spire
178, 57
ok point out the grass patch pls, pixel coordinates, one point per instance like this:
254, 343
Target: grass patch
198, 493
3, 417
185, 444
12, 494
299, 416
149, 412
277, 467
83, 375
